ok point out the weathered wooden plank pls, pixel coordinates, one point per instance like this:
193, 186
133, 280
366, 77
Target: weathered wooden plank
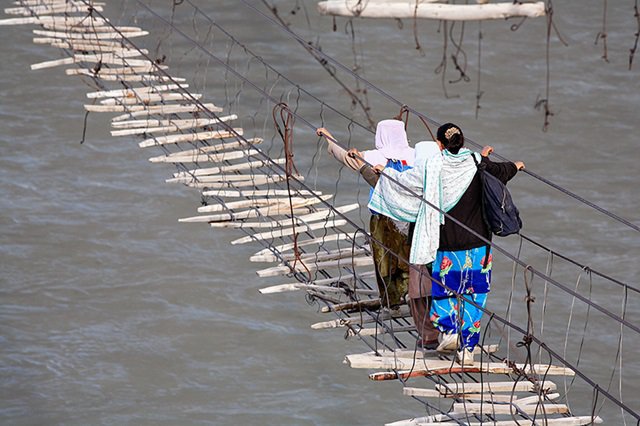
84, 45
52, 9
194, 174
174, 126
375, 331
187, 156
515, 408
432, 393
562, 421
263, 211
435, 418
403, 312
88, 36
222, 156
312, 217
133, 78
133, 92
453, 368
283, 288
190, 137
346, 306
254, 202
282, 232
169, 109
267, 254
107, 71
412, 10
80, 27
302, 266
48, 18
151, 98
521, 386
251, 192
270, 180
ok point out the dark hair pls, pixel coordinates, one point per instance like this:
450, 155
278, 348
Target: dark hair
455, 141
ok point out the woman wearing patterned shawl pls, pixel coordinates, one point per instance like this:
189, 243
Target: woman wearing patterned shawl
393, 152
462, 261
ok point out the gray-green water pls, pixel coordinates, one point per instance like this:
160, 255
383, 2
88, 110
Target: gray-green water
113, 313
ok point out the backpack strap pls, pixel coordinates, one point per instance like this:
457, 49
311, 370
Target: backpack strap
481, 168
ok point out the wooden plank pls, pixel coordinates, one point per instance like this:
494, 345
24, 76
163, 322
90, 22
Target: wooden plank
151, 98
169, 109
134, 78
252, 192
266, 255
173, 127
51, 9
403, 312
375, 331
488, 408
187, 155
80, 27
453, 368
222, 156
194, 174
521, 386
283, 288
113, 71
88, 36
346, 306
435, 418
302, 266
301, 220
136, 91
562, 421
242, 184
432, 393
85, 45
282, 232
190, 137
412, 10
41, 19
263, 211
254, 202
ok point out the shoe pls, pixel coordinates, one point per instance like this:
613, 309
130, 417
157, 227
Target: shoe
448, 342
464, 357
427, 346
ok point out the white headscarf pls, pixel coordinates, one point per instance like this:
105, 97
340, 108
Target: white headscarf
391, 144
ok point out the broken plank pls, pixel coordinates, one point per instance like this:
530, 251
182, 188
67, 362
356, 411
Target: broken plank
366, 304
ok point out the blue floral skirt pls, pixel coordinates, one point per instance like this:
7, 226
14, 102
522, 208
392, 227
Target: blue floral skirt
464, 273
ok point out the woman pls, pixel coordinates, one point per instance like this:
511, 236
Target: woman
419, 292
462, 261
393, 151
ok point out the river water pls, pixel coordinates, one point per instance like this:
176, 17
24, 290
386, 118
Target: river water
114, 313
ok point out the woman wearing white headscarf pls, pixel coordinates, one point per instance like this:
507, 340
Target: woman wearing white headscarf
391, 150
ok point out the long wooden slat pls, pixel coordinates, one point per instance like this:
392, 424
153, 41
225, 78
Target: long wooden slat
188, 156
562, 421
194, 174
403, 312
266, 255
432, 393
151, 98
254, 202
51, 10
251, 192
270, 180
264, 211
433, 370
190, 137
281, 288
222, 156
136, 91
176, 126
88, 36
48, 18
301, 220
488, 408
169, 109
302, 266
520, 386
282, 232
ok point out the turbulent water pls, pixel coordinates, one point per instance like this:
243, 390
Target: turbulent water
111, 312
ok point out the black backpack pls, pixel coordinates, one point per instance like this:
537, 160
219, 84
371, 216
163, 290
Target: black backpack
498, 211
